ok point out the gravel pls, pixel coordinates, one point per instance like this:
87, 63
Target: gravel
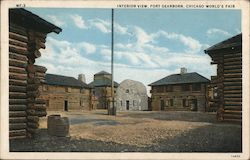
140, 131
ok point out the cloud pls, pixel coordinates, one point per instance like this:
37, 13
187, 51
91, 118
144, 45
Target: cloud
102, 25
87, 47
216, 31
56, 20
120, 29
78, 21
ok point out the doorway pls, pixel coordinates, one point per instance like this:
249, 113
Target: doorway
127, 105
65, 105
162, 105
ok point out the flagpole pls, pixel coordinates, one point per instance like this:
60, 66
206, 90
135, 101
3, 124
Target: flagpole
112, 63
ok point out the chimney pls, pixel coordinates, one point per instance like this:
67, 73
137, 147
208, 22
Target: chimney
81, 77
183, 70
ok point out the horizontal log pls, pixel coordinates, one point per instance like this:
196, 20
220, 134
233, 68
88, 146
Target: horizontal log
41, 113
13, 69
40, 69
37, 35
232, 95
17, 49
39, 74
232, 116
17, 119
18, 43
232, 63
17, 63
17, 29
232, 55
17, 101
37, 53
17, 95
32, 125
31, 112
40, 101
33, 93
233, 112
233, 99
233, 67
238, 75
13, 88
33, 118
17, 76
18, 37
232, 59
17, 126
34, 81
226, 88
40, 107
233, 71
31, 68
232, 103
232, 91
32, 87
18, 56
233, 80
233, 83
18, 82
17, 133
17, 113
233, 108
31, 75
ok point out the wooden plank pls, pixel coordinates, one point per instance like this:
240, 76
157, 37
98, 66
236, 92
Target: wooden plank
18, 83
226, 88
18, 133
233, 108
233, 67
233, 83
227, 103
236, 75
232, 63
17, 70
14, 88
17, 113
232, 55
233, 80
17, 101
40, 68
18, 56
232, 92
233, 71
232, 95
18, 43
17, 119
18, 37
17, 95
233, 112
17, 126
233, 99
17, 76
18, 29
17, 63
33, 118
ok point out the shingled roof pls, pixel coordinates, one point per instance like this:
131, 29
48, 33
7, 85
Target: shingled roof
102, 73
229, 43
181, 79
102, 83
53, 79
29, 20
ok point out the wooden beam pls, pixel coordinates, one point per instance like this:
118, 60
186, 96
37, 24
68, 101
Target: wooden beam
17, 126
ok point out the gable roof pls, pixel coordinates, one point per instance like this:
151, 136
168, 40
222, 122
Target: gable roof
29, 20
181, 79
229, 43
53, 79
102, 83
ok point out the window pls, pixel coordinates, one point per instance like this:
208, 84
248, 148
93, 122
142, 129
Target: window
171, 102
127, 90
169, 88
185, 87
184, 103
196, 87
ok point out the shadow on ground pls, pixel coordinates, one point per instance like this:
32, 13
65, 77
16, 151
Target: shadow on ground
211, 138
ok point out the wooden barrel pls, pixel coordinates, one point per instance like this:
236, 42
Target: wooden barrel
58, 126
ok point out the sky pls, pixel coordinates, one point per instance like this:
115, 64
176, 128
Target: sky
149, 44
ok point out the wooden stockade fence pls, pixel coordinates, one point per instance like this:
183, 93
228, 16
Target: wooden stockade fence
27, 34
228, 57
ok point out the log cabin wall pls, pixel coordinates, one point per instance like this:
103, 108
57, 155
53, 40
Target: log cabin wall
228, 57
27, 34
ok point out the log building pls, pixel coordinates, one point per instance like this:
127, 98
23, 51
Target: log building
63, 93
227, 55
180, 92
27, 34
101, 90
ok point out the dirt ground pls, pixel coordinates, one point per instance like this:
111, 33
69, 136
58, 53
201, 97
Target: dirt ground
141, 131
